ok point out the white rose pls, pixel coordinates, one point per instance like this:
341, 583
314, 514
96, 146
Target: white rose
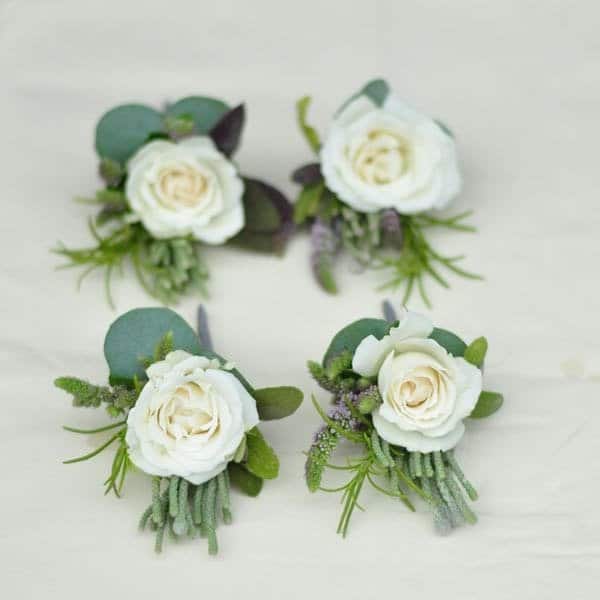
426, 392
389, 157
189, 419
189, 187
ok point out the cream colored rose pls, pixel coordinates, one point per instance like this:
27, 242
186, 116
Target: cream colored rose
189, 187
189, 419
389, 157
426, 392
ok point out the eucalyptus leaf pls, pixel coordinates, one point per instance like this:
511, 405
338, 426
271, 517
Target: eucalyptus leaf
205, 112
134, 336
243, 480
227, 132
261, 459
348, 339
444, 128
448, 340
488, 404
124, 129
277, 402
476, 351
376, 90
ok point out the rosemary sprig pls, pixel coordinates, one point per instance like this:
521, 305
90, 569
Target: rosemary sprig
419, 259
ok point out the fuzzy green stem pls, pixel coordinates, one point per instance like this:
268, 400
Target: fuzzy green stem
223, 489
173, 504
455, 467
197, 514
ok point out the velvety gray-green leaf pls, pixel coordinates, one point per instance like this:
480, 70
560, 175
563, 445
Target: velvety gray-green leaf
488, 404
124, 129
350, 337
448, 340
261, 459
243, 480
205, 112
376, 90
277, 402
135, 335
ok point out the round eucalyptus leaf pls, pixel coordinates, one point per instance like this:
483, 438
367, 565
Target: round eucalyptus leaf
448, 340
134, 336
124, 129
205, 112
348, 339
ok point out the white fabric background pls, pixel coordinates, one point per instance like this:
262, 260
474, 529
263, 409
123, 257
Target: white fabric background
519, 84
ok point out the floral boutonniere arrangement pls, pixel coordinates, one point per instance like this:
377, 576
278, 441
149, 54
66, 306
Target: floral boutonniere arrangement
402, 389
381, 170
170, 186
184, 416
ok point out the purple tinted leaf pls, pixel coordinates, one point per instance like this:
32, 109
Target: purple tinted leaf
308, 174
227, 132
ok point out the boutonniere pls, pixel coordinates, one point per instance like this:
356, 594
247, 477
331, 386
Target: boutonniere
382, 170
185, 417
171, 186
402, 390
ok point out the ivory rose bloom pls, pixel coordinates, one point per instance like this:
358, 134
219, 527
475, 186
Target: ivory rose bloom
389, 157
189, 187
426, 392
189, 418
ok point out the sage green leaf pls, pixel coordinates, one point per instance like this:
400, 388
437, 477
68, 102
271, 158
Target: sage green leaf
124, 129
261, 459
205, 112
277, 402
310, 133
348, 339
488, 404
448, 340
134, 337
243, 480
376, 90
307, 203
476, 351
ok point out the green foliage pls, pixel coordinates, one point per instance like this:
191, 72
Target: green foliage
369, 400
111, 171
205, 112
136, 334
124, 129
448, 340
261, 459
376, 90
168, 269
307, 203
418, 258
179, 125
310, 133
488, 404
187, 510
268, 218
326, 441
245, 481
348, 339
277, 402
476, 351
118, 400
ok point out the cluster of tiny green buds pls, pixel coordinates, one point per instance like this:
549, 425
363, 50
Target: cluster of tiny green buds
179, 126
325, 441
118, 399
111, 172
369, 400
